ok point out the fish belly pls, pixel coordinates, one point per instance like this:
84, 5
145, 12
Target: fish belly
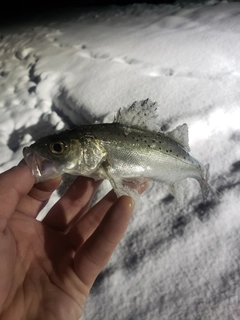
153, 165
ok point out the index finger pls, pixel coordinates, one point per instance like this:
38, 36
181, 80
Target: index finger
38, 197
14, 184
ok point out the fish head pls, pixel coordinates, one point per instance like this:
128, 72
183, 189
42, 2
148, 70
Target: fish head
52, 156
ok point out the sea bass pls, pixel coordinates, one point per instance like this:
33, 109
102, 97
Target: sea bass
127, 152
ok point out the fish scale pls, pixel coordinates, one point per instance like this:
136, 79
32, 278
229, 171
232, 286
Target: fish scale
136, 139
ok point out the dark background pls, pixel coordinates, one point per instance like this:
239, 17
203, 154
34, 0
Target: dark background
22, 11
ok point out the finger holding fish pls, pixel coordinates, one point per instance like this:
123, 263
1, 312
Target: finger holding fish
73, 205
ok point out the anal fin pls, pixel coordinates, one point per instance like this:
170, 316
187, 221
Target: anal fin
132, 187
138, 185
177, 190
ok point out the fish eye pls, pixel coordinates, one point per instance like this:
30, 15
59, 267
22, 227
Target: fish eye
57, 147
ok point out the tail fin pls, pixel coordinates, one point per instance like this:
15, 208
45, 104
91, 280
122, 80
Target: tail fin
204, 182
205, 186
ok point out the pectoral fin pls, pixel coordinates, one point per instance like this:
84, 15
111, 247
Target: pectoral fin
93, 154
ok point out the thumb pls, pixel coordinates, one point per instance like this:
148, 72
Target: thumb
14, 184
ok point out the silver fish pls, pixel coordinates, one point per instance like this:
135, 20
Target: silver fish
127, 152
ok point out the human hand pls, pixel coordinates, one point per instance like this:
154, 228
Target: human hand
47, 268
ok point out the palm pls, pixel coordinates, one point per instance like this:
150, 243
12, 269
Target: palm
40, 257
47, 268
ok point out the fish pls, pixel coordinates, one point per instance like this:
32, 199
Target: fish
128, 152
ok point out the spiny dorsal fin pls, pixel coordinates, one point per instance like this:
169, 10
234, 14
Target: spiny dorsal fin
180, 135
140, 114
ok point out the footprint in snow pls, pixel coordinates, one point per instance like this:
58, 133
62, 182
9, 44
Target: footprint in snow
126, 60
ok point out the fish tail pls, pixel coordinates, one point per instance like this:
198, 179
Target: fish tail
204, 182
205, 186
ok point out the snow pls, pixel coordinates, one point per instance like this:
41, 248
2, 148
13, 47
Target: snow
174, 262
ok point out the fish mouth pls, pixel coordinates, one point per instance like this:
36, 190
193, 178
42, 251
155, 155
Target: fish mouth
42, 169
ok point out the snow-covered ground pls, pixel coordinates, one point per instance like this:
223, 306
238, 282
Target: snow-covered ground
175, 262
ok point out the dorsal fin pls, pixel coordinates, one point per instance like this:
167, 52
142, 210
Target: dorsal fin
141, 114
180, 135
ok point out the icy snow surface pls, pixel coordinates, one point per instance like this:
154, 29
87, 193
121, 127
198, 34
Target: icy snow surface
174, 262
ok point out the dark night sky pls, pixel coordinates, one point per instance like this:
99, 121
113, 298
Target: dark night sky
23, 11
